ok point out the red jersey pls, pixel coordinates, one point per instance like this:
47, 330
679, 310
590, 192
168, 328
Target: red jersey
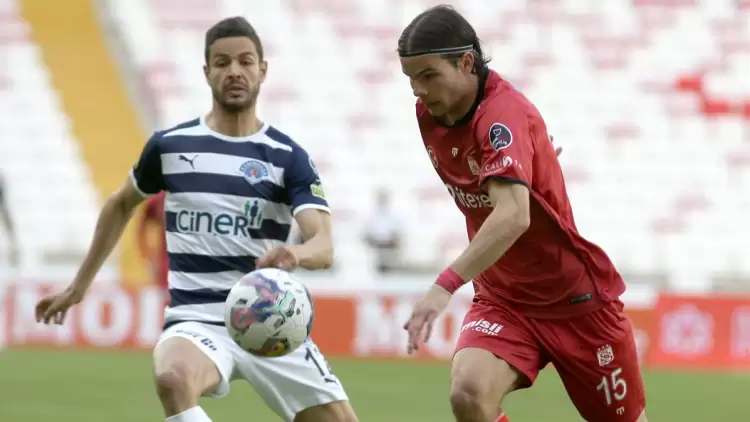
154, 213
551, 271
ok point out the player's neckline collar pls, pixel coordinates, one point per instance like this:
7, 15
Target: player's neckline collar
263, 129
478, 100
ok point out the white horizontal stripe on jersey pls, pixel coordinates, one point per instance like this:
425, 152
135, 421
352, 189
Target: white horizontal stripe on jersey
210, 245
209, 312
310, 206
224, 280
201, 129
230, 204
212, 163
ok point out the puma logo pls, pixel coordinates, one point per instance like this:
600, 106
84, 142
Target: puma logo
188, 160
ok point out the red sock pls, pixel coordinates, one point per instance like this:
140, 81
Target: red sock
502, 418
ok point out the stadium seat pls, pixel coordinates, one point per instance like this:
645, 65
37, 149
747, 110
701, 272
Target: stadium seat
50, 195
649, 97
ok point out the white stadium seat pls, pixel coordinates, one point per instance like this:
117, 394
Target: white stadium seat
657, 154
50, 192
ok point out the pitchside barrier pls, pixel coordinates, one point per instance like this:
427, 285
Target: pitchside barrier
672, 330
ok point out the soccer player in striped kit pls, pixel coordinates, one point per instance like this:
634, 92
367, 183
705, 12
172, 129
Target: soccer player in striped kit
234, 186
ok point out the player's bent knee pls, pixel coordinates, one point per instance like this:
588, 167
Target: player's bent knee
467, 398
479, 381
478, 371
182, 373
174, 382
339, 411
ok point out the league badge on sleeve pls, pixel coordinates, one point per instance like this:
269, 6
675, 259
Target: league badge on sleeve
254, 171
317, 191
500, 136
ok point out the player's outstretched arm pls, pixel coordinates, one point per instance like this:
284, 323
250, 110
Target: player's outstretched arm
316, 252
113, 218
507, 222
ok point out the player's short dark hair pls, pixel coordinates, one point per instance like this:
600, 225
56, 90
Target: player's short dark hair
233, 27
442, 28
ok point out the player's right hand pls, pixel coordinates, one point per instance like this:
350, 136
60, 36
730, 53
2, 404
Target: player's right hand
419, 325
55, 307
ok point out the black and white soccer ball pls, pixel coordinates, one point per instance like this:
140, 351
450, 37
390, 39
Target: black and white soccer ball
269, 313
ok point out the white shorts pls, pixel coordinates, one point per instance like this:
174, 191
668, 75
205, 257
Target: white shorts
288, 384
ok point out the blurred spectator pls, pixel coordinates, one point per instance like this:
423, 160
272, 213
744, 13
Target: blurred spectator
152, 220
8, 225
383, 234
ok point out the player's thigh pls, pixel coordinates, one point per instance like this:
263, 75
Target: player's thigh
495, 354
597, 360
195, 356
299, 386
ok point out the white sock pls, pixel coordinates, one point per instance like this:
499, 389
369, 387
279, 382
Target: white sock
194, 414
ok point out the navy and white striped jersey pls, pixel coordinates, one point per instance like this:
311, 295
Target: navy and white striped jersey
229, 200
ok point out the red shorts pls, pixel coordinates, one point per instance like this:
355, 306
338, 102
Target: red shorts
594, 354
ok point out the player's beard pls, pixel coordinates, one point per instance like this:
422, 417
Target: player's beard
232, 106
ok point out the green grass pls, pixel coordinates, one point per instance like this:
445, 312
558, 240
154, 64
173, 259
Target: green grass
67, 386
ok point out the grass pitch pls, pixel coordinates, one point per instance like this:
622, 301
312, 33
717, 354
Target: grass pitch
67, 386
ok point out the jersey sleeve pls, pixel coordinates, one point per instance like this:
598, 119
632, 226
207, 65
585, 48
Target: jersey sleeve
504, 139
147, 174
303, 183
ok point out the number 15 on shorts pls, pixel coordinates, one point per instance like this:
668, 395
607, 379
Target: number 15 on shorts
613, 387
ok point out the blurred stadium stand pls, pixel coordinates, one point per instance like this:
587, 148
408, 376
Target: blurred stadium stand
50, 192
650, 98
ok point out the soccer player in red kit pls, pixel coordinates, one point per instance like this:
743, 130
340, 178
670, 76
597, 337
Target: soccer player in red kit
544, 294
153, 216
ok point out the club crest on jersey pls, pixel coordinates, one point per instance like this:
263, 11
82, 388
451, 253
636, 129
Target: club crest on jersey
605, 355
433, 157
473, 166
254, 171
500, 136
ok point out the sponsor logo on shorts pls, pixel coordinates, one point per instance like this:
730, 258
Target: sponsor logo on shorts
205, 341
483, 326
605, 355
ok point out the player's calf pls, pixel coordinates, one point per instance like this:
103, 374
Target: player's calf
340, 411
182, 374
479, 381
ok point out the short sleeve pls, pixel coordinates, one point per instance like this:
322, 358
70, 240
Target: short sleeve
504, 139
147, 175
303, 184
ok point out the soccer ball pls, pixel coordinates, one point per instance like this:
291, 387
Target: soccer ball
268, 313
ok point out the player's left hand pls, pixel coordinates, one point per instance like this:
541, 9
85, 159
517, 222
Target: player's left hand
419, 325
282, 258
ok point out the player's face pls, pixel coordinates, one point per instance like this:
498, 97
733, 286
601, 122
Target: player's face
234, 72
438, 82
